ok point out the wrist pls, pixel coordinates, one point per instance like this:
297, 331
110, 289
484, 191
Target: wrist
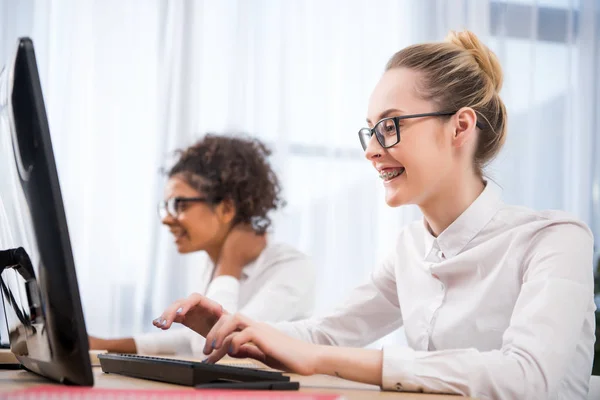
363, 365
322, 359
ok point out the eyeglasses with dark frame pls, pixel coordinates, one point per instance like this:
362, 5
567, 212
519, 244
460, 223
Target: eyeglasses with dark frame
387, 130
172, 206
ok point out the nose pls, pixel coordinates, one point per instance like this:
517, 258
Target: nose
374, 149
168, 220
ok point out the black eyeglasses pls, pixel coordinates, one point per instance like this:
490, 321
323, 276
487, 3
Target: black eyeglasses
387, 131
174, 205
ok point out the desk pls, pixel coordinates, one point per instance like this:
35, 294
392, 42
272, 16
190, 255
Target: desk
13, 380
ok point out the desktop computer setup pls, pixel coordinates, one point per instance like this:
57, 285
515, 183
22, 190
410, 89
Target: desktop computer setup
38, 282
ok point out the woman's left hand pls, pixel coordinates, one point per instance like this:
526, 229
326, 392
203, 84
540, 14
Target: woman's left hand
241, 337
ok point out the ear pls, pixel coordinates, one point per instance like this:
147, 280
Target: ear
465, 127
225, 211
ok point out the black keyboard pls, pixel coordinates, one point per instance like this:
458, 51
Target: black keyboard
188, 373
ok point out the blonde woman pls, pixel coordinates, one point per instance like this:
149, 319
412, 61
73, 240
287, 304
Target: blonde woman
496, 300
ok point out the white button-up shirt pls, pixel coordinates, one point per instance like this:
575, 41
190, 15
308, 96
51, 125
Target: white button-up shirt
278, 286
498, 306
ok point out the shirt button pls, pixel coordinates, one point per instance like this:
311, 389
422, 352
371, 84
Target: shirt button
440, 255
398, 386
441, 286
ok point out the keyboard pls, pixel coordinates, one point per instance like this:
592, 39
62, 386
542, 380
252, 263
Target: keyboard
179, 372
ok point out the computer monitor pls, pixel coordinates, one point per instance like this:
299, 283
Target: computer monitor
39, 286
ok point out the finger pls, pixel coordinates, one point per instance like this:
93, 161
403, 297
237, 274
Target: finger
179, 309
237, 323
216, 355
209, 306
209, 346
239, 339
214, 338
160, 322
219, 353
249, 351
211, 309
166, 318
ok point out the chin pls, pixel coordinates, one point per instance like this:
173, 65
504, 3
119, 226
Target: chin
396, 198
183, 248
187, 246
398, 192
395, 202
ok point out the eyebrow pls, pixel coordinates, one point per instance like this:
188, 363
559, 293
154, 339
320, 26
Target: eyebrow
386, 114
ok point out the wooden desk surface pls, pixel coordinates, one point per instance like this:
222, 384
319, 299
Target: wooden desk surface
20, 379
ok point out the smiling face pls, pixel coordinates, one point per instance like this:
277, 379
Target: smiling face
412, 170
197, 225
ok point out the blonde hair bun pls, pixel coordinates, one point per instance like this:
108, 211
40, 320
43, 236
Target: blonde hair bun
486, 58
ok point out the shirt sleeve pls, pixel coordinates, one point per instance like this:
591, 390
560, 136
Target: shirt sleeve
368, 313
173, 341
225, 290
555, 300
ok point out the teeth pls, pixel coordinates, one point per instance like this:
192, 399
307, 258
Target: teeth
385, 175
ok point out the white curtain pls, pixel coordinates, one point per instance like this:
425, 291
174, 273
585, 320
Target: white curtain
128, 82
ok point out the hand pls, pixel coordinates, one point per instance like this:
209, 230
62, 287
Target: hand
242, 246
241, 337
197, 312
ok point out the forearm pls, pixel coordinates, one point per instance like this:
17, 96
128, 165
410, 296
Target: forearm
361, 365
124, 345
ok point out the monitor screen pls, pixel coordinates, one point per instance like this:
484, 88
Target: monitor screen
40, 296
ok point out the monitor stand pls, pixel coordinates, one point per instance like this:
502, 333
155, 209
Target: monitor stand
19, 260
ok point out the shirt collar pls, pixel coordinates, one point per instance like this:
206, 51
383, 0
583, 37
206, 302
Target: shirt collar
455, 237
249, 269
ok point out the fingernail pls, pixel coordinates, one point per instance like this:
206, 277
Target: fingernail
214, 343
205, 361
157, 320
179, 310
164, 322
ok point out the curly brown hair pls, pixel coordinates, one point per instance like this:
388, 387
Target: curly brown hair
233, 168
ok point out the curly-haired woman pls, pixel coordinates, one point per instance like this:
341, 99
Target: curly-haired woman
217, 199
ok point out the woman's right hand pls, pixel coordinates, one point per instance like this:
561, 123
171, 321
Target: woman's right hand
197, 312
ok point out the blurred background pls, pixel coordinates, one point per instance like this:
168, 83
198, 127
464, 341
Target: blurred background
126, 82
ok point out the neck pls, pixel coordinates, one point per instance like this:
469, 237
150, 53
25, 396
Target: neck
245, 242
214, 252
215, 248
444, 206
